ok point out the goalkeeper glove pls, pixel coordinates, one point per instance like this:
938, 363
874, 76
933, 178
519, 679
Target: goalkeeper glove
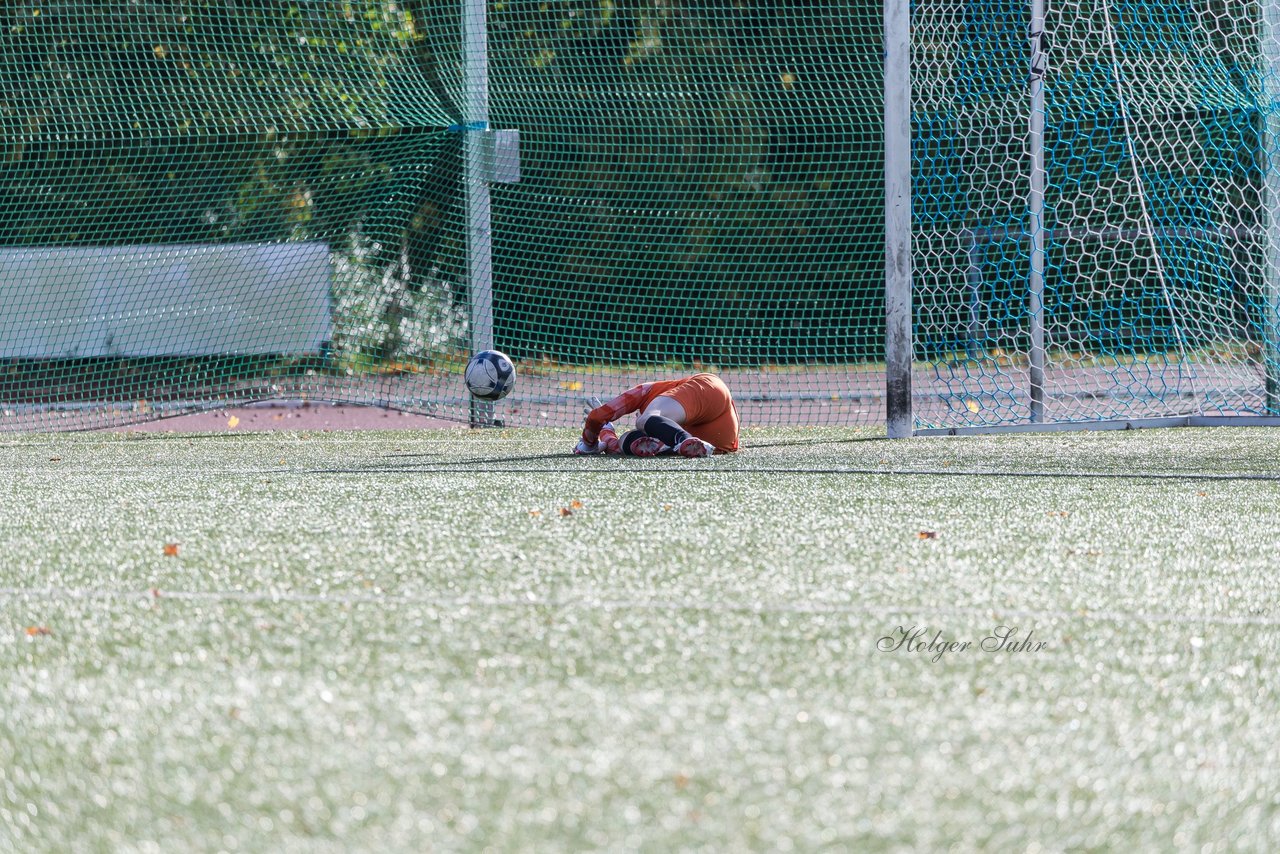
609, 442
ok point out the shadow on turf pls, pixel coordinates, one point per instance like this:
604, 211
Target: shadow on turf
472, 463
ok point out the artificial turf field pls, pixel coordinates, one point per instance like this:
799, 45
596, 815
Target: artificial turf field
413, 641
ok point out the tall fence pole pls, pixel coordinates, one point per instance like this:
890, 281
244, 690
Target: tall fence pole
1035, 214
475, 143
1270, 70
899, 414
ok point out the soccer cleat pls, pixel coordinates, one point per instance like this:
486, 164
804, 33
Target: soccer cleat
695, 447
647, 446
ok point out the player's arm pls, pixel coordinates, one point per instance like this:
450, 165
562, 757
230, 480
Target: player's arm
627, 402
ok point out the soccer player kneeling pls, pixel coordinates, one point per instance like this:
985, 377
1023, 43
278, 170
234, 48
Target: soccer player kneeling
692, 417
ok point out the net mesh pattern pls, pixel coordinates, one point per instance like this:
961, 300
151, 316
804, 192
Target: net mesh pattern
210, 203
1149, 254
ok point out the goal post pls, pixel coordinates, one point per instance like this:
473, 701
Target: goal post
475, 178
899, 415
1096, 229
1269, 156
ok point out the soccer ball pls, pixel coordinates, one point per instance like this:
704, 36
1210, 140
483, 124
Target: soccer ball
490, 375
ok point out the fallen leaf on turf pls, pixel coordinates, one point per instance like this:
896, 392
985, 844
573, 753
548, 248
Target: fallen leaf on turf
928, 535
535, 512
34, 631
171, 549
576, 504
59, 459
666, 506
232, 422
681, 781
565, 511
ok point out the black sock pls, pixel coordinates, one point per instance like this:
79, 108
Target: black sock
629, 437
665, 430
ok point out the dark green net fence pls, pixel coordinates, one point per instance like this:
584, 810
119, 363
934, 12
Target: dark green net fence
211, 203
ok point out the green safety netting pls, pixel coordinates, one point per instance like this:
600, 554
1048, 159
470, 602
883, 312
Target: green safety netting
209, 203
1142, 283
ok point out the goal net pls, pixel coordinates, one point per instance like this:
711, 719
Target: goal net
1095, 212
206, 203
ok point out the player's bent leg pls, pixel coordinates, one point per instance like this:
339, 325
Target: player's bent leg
662, 407
676, 437
636, 444
709, 423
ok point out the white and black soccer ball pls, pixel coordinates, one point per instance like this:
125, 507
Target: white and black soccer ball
490, 375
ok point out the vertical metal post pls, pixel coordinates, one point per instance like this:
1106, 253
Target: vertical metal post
899, 414
1270, 84
475, 68
973, 293
1035, 213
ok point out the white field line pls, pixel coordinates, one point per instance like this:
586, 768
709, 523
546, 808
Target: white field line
371, 438
469, 468
649, 605
291, 436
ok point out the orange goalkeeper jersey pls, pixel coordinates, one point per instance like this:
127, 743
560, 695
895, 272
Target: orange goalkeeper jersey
708, 405
635, 399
